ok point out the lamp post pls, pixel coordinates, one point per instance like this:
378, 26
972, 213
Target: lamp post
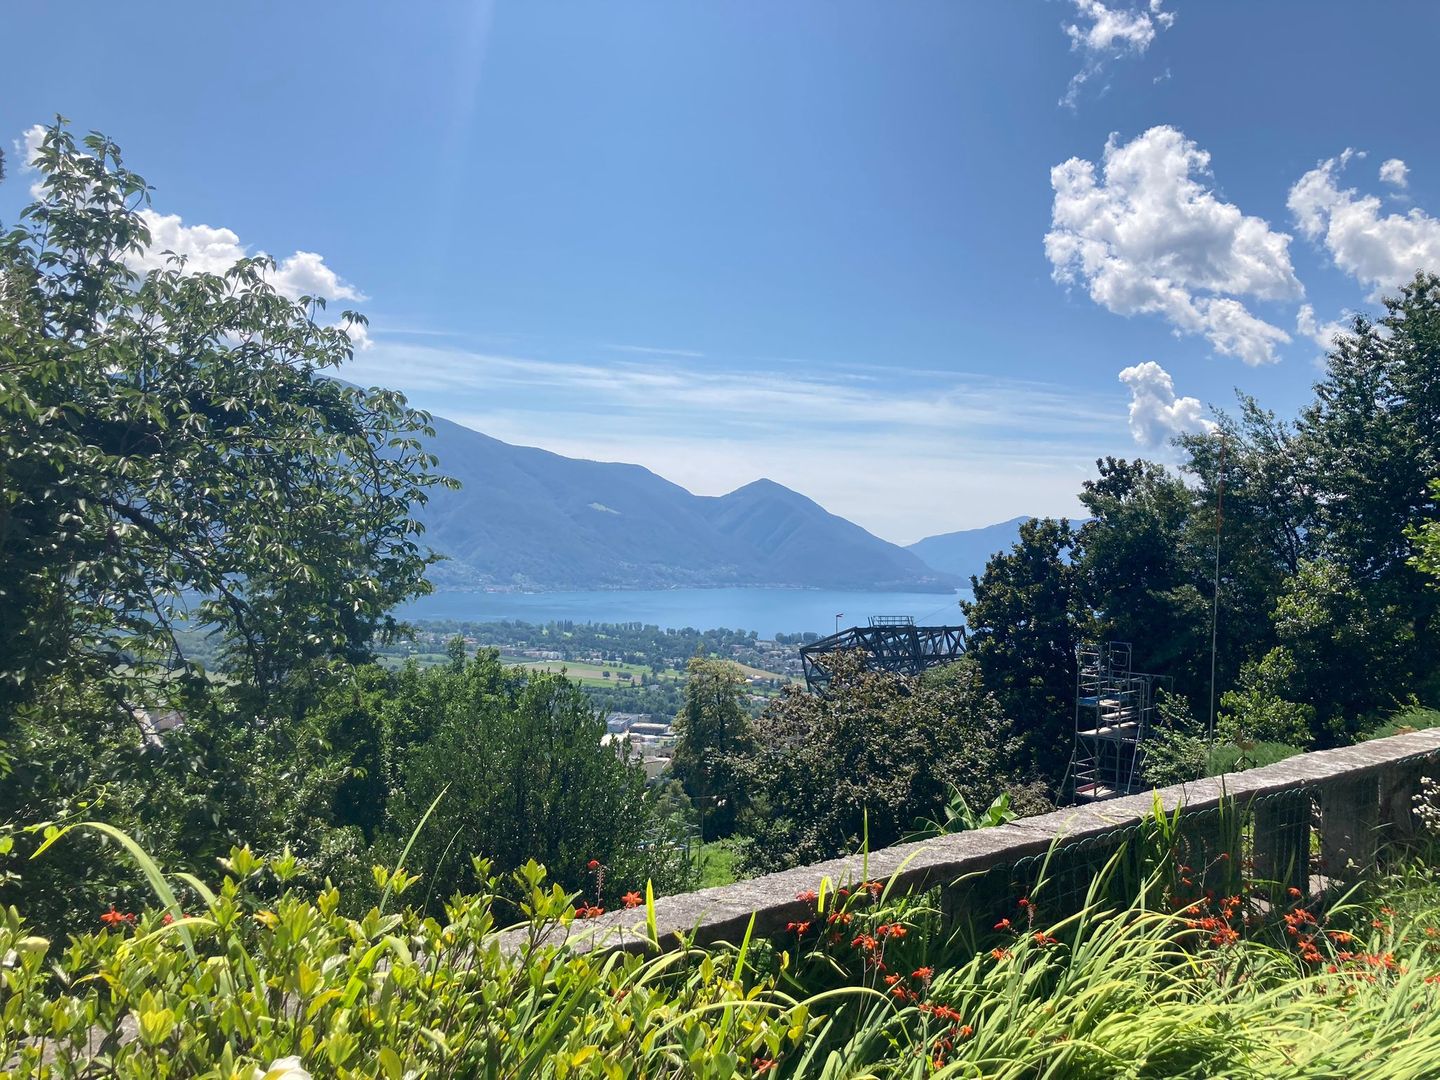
838, 616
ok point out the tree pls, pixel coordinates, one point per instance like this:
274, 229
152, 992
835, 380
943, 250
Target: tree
1427, 543
171, 451
517, 764
1371, 444
874, 756
1023, 627
711, 730
1140, 573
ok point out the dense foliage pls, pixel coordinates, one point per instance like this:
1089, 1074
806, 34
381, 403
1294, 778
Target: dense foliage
171, 451
264, 978
1326, 526
177, 463
869, 760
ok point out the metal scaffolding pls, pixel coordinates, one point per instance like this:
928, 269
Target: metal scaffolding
1115, 714
889, 643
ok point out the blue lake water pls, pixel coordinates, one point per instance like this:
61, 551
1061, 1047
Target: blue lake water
766, 611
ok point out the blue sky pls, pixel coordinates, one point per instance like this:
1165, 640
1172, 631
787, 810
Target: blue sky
802, 240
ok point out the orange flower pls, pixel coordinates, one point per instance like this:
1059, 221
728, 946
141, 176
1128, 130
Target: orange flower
593, 864
1003, 924
113, 918
966, 1031
632, 899
763, 1065
1000, 954
798, 927
809, 896
924, 974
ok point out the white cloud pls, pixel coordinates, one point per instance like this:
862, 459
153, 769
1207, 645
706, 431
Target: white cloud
908, 454
1381, 251
1157, 414
212, 250
1323, 334
1145, 236
1395, 172
1101, 34
26, 147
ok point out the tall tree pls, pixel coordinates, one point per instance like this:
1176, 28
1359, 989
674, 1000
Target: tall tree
1372, 451
711, 729
170, 449
1140, 573
1023, 626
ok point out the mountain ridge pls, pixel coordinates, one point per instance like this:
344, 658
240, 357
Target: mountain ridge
528, 518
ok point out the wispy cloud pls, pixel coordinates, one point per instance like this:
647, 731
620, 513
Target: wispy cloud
905, 452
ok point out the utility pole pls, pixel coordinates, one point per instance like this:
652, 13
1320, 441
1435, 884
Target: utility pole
1215, 610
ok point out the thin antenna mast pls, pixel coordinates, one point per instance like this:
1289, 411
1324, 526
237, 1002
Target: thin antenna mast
1215, 610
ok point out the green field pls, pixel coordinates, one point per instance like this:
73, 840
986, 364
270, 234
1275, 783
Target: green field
590, 673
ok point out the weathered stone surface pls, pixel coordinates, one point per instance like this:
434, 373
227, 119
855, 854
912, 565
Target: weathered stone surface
1350, 773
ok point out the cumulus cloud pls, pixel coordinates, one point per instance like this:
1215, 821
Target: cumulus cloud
1145, 236
1157, 414
1395, 172
212, 250
1101, 34
1323, 334
1379, 250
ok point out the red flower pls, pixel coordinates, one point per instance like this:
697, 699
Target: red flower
593, 864
588, 911
113, 918
924, 974
763, 1065
798, 927
809, 896
632, 899
1003, 924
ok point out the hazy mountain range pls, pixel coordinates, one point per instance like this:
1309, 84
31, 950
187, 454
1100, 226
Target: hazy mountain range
526, 518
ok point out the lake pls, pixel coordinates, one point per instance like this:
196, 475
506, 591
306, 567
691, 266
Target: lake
766, 611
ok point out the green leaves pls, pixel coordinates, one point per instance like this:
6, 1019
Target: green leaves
169, 440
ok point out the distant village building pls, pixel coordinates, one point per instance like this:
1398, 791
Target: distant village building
640, 739
621, 722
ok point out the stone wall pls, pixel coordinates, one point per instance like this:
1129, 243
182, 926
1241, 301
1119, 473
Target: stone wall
1357, 798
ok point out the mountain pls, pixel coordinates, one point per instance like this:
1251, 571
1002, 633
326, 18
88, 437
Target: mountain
530, 519
965, 552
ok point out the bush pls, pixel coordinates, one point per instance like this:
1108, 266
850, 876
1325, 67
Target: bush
867, 761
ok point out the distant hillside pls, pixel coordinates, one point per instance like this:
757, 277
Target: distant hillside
527, 518
965, 552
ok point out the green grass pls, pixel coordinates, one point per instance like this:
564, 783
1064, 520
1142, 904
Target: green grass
716, 863
1226, 757
1414, 718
